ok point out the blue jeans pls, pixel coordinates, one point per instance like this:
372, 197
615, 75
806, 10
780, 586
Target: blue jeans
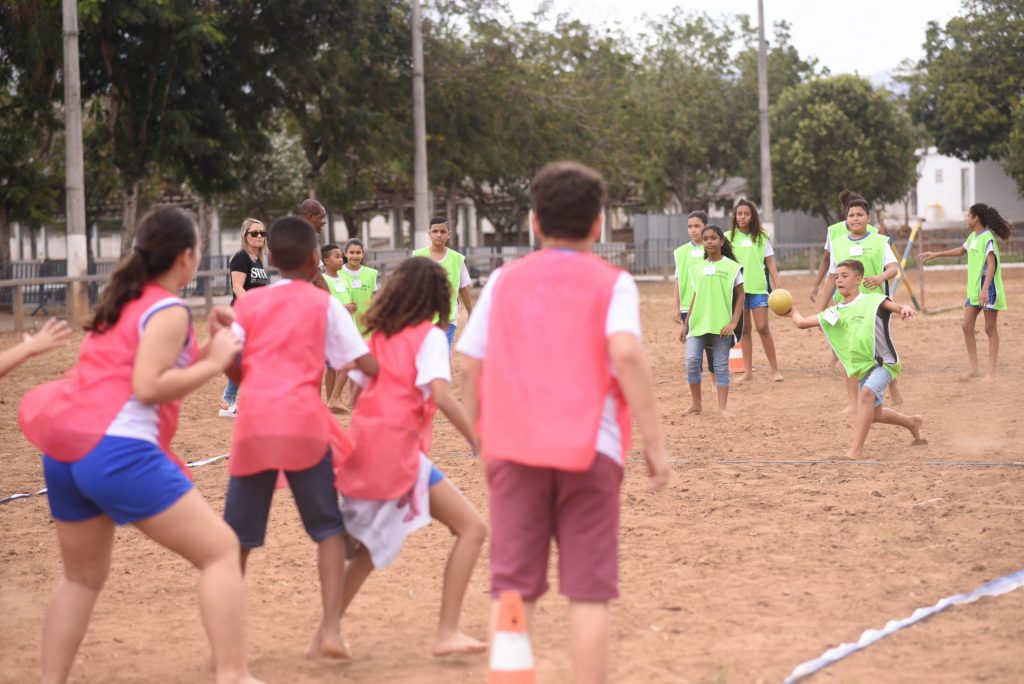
230, 392
720, 347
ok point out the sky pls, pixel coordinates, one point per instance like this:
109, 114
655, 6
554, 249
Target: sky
864, 36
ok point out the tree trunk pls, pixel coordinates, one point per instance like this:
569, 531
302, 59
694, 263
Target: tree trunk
129, 213
5, 241
205, 221
451, 212
351, 219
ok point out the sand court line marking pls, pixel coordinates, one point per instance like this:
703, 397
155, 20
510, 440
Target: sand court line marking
190, 464
997, 587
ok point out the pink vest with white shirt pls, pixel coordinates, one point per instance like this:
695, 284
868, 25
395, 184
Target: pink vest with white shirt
391, 422
546, 372
67, 418
282, 422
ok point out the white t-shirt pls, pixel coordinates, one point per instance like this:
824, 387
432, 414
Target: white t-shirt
431, 363
142, 421
888, 257
989, 248
343, 342
623, 316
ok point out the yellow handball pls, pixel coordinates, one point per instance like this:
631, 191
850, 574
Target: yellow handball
780, 301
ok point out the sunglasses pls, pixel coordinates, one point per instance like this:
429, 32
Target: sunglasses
257, 233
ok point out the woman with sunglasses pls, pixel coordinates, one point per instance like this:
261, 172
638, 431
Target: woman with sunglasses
247, 271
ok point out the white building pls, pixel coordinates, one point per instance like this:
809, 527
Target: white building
947, 187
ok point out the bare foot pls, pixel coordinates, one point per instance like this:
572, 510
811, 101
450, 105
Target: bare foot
726, 414
777, 376
337, 408
917, 422
988, 379
694, 410
328, 646
970, 375
745, 377
850, 409
851, 455
457, 643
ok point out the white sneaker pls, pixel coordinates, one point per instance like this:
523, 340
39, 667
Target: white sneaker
229, 412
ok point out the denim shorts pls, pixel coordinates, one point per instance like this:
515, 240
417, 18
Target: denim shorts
755, 301
876, 380
124, 478
247, 505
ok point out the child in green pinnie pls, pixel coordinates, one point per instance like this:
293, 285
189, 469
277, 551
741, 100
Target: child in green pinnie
858, 330
715, 316
984, 282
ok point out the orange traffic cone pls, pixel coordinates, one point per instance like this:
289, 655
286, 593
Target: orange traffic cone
736, 364
511, 655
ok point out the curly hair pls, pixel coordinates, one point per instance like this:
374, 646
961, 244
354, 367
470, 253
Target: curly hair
416, 291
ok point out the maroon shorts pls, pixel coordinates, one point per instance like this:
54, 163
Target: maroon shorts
580, 510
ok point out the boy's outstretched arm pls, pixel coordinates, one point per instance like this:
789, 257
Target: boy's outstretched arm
627, 356
904, 311
803, 322
53, 335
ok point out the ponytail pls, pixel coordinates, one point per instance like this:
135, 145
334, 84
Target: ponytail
846, 197
992, 219
162, 235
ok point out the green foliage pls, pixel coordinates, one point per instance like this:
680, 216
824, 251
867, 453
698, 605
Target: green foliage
1014, 159
838, 132
965, 89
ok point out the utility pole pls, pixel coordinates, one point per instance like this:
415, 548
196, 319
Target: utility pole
767, 207
419, 121
78, 265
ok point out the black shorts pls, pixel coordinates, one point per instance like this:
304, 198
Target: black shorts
248, 503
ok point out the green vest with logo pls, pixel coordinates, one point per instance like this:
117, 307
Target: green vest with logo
685, 257
870, 251
977, 253
750, 255
712, 283
859, 335
359, 288
452, 265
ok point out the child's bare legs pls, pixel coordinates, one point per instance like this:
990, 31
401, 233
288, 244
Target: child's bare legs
85, 549
970, 317
720, 355
764, 332
852, 392
450, 507
330, 376
992, 330
331, 565
723, 401
747, 346
868, 413
191, 529
895, 395
696, 404
589, 640
334, 402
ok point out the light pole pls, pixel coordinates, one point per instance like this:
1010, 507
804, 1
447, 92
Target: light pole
78, 300
767, 207
419, 122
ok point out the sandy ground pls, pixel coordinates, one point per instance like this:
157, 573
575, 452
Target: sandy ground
746, 566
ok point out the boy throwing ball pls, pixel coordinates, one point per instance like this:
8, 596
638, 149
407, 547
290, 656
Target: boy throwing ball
858, 330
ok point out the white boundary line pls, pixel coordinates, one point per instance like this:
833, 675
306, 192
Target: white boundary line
997, 587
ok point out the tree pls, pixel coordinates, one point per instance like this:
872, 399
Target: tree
835, 133
965, 89
1014, 160
30, 57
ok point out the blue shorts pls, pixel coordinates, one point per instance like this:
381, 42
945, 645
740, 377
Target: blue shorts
876, 380
991, 297
435, 476
247, 504
755, 301
683, 315
126, 479
450, 334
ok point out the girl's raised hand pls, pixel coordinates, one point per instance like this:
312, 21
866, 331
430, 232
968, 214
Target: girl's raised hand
53, 335
222, 316
224, 347
927, 256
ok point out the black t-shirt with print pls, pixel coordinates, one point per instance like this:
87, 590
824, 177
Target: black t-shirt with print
255, 274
